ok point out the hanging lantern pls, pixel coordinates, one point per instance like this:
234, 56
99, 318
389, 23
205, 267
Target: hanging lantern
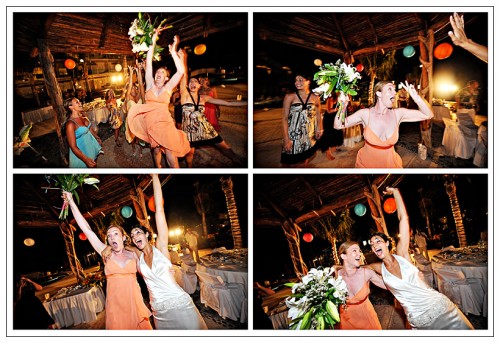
126, 211
360, 67
151, 203
29, 242
443, 51
318, 62
409, 51
308, 237
70, 64
360, 210
82, 236
200, 49
118, 67
390, 205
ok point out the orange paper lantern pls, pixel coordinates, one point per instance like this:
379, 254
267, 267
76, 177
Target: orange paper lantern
151, 203
390, 205
308, 237
443, 51
82, 236
69, 63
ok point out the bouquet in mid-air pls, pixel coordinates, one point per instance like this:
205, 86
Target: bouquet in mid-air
338, 77
141, 34
314, 302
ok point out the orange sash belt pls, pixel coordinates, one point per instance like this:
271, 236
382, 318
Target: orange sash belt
379, 147
358, 302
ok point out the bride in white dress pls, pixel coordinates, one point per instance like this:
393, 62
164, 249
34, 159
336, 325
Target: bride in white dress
172, 307
425, 308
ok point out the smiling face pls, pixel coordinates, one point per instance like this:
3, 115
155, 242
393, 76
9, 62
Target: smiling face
115, 238
379, 247
352, 256
301, 83
139, 238
75, 105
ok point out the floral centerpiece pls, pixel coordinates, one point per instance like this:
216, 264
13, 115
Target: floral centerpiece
69, 183
314, 300
338, 77
141, 34
94, 279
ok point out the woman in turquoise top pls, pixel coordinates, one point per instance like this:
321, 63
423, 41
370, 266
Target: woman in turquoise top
83, 142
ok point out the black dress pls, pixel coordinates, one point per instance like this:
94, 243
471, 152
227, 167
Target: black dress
331, 137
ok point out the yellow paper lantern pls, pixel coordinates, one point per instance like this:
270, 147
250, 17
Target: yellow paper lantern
118, 67
318, 62
29, 242
200, 49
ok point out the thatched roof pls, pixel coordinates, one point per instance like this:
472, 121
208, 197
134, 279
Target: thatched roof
352, 34
107, 32
307, 198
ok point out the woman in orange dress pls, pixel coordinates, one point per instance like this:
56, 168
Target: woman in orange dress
152, 121
358, 313
381, 125
125, 308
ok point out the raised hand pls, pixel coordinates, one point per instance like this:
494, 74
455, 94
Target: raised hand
389, 190
173, 47
458, 35
410, 89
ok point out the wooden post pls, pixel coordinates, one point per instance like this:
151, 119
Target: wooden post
69, 242
291, 231
55, 94
376, 209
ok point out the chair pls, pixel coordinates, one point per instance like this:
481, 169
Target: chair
466, 117
174, 257
481, 154
459, 141
462, 291
187, 281
224, 298
425, 267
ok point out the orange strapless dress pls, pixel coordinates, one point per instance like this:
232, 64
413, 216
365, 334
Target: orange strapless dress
360, 314
377, 153
125, 308
153, 123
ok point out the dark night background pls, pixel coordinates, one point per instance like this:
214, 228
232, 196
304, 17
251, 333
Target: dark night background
48, 253
461, 66
272, 258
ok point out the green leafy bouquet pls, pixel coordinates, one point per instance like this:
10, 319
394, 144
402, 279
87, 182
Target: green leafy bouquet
69, 183
313, 303
338, 77
141, 34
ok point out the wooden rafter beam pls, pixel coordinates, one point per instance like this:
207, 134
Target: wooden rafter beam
104, 34
341, 33
275, 207
313, 191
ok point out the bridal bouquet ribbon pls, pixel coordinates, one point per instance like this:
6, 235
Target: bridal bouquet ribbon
338, 77
141, 35
314, 302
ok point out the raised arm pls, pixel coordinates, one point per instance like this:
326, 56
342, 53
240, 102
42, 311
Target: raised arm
83, 224
459, 38
404, 224
161, 221
424, 111
354, 119
149, 61
375, 278
183, 86
129, 86
178, 57
221, 102
139, 68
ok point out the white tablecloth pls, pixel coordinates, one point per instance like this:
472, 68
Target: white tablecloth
79, 306
458, 141
228, 273
98, 115
472, 263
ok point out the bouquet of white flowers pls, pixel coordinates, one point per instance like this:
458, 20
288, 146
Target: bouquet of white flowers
313, 303
141, 34
338, 77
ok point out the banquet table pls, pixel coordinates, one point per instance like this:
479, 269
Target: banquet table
72, 307
472, 262
230, 265
275, 307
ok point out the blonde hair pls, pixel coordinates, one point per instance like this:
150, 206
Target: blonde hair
344, 246
124, 233
378, 88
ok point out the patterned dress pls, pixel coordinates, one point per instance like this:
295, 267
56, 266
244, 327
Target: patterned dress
301, 131
197, 127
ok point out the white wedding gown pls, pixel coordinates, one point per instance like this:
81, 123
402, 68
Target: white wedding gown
172, 307
425, 308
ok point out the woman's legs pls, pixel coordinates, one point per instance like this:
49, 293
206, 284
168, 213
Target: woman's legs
157, 156
172, 160
117, 135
